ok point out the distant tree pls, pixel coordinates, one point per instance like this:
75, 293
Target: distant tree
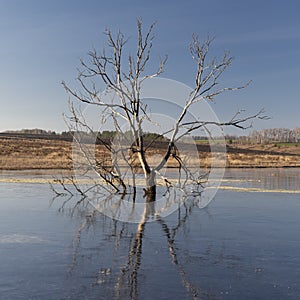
275, 135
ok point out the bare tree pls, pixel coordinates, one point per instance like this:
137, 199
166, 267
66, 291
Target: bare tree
123, 75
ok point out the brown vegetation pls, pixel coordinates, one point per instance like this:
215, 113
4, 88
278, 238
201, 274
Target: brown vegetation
24, 153
260, 156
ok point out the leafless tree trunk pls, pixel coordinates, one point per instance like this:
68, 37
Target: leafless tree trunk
123, 76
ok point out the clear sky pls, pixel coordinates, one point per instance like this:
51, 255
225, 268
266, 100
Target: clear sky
42, 42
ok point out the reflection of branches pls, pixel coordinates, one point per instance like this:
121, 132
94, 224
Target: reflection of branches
77, 241
125, 281
170, 235
189, 287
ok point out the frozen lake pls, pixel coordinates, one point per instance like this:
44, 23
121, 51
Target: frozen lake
244, 245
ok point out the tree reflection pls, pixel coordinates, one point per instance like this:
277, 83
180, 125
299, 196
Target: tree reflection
129, 272
119, 278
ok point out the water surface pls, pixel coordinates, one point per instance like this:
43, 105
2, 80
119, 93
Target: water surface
244, 245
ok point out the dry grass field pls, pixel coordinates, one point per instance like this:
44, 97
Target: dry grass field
24, 153
21, 154
261, 156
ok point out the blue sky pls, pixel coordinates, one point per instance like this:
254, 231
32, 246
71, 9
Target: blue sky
42, 42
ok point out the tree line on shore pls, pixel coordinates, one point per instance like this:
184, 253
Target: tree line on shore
267, 136
106, 135
264, 136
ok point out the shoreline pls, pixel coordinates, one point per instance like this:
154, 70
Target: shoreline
169, 168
